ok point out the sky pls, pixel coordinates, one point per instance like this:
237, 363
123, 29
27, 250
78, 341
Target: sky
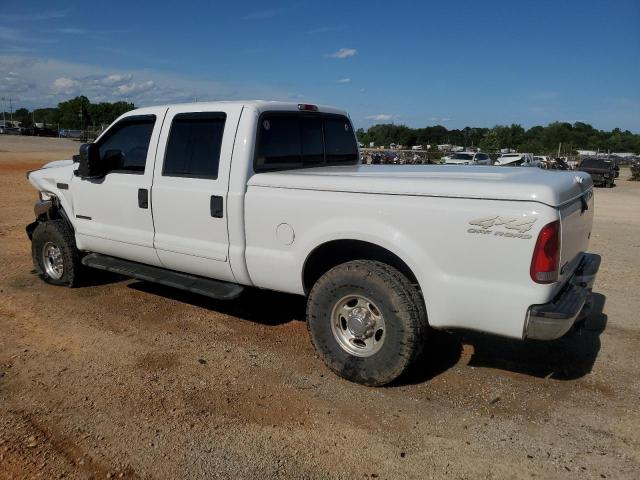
454, 63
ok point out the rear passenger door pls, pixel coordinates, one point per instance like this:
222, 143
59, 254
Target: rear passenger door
189, 192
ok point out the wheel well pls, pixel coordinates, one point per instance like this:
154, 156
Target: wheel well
48, 210
331, 254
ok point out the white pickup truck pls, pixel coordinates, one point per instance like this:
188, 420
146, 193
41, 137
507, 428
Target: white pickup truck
217, 197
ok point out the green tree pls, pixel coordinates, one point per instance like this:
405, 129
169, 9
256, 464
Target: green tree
490, 143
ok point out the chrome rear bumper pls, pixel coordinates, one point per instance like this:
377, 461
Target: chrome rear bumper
552, 320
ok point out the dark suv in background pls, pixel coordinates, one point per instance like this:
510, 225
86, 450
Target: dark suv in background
602, 171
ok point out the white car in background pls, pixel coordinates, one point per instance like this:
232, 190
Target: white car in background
515, 159
468, 158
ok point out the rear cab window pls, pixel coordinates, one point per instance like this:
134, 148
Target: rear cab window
289, 140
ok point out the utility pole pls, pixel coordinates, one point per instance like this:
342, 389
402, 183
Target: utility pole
11, 110
4, 120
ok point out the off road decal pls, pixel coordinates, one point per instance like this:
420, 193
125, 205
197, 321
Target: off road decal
494, 225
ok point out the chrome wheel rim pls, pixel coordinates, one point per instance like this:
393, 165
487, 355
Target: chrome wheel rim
52, 261
358, 325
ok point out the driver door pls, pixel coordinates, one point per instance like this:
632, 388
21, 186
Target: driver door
113, 213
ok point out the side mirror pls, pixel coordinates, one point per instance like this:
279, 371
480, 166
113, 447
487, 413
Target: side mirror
90, 165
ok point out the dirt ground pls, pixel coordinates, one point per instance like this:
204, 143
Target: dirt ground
126, 379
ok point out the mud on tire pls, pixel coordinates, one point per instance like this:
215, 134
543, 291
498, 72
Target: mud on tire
399, 304
49, 236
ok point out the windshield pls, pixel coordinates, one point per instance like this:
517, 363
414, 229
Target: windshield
462, 156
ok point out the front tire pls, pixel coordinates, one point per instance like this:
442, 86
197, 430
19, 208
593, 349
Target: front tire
367, 321
54, 252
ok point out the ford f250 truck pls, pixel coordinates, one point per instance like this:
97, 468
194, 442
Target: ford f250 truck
217, 197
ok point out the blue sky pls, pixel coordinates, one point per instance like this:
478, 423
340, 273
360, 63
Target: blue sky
454, 63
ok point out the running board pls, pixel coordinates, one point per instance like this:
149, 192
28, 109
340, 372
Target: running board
184, 281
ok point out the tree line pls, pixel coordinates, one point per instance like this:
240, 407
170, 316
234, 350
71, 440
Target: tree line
76, 114
540, 140
80, 113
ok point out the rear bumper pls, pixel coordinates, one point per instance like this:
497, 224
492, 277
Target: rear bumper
552, 320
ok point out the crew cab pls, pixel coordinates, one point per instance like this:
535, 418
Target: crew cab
218, 197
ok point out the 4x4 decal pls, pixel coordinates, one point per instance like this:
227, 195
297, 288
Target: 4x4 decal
487, 225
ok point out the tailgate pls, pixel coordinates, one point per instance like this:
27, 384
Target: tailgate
576, 219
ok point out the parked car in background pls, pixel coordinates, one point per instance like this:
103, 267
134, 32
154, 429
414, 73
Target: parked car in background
41, 131
468, 158
516, 159
390, 158
603, 172
8, 130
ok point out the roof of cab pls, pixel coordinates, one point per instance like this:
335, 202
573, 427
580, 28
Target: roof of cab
258, 105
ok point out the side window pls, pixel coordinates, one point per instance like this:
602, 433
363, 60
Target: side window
126, 144
193, 148
340, 143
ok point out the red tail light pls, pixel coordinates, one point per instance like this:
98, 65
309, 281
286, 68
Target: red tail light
546, 256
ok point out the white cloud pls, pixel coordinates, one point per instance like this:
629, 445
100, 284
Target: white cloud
380, 117
320, 30
343, 53
70, 31
33, 17
39, 82
114, 80
11, 36
12, 83
440, 119
65, 85
134, 88
344, 80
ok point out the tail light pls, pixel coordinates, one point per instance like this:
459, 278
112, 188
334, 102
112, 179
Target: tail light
546, 255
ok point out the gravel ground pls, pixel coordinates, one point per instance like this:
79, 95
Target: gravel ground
126, 379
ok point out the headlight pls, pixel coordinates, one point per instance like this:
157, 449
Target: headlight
44, 196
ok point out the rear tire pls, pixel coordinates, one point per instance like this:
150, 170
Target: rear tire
367, 321
54, 252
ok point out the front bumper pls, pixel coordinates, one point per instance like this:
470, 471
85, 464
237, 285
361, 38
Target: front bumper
552, 320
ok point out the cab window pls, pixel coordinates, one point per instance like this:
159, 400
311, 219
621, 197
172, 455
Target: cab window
124, 147
193, 148
288, 140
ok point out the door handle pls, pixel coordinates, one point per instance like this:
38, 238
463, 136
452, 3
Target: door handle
216, 205
143, 198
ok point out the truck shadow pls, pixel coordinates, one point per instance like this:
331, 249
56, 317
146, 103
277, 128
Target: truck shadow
260, 306
568, 358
